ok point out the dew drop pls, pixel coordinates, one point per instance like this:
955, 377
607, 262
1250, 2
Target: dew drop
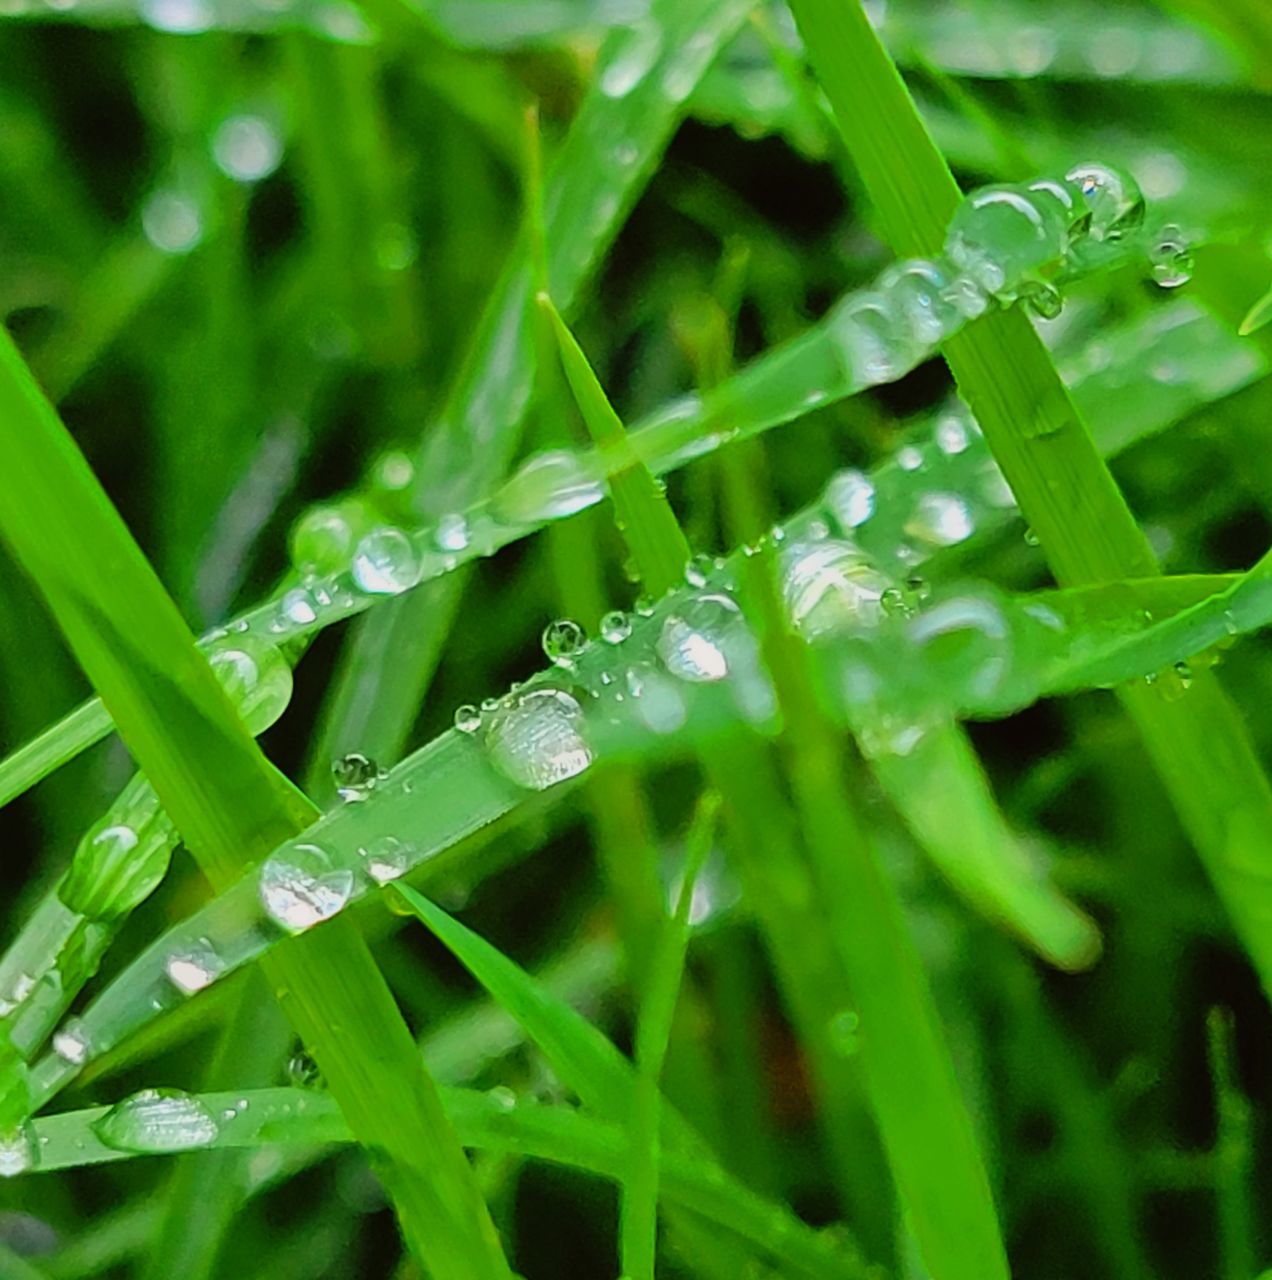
536, 738
896, 603
616, 626
193, 968
873, 341
299, 887
563, 641
631, 62
699, 570
951, 434
909, 458
303, 1072
549, 486
467, 718
385, 562
256, 676
1001, 237
1114, 199
850, 497
71, 1042
172, 222
356, 776
659, 704
696, 639
1043, 299
386, 858
247, 148
452, 533
941, 520
1183, 670
829, 586
1171, 258
321, 540
19, 1150
157, 1120
297, 608
919, 291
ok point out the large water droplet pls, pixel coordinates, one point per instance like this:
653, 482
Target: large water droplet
941, 519
157, 1120
1113, 197
247, 148
1001, 237
356, 776
256, 676
550, 485
830, 587
873, 341
300, 888
536, 738
385, 562
19, 1150
321, 540
850, 496
563, 641
193, 968
701, 637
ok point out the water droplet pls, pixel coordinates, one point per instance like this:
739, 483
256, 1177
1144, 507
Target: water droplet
850, 496
896, 603
1002, 236
616, 626
321, 540
1068, 199
696, 639
395, 247
385, 562
247, 148
502, 1097
536, 739
193, 968
1171, 258
452, 533
909, 458
71, 1042
660, 706
303, 1072
549, 486
157, 1120
393, 471
941, 519
630, 63
1031, 538
845, 1033
467, 718
1114, 199
1043, 299
1183, 671
299, 887
356, 776
256, 676
951, 434
919, 290
830, 587
873, 341
699, 570
563, 641
180, 17
386, 858
297, 608
172, 222
918, 588
19, 1150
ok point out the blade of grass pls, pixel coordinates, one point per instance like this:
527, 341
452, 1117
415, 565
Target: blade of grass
1199, 745
229, 805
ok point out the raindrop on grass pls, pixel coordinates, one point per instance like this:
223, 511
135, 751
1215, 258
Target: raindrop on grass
850, 496
467, 718
1171, 258
193, 968
452, 533
300, 888
157, 1120
616, 626
563, 641
356, 776
247, 148
172, 222
303, 1072
829, 587
1113, 197
321, 540
550, 485
71, 1042
19, 1150
385, 562
941, 520
386, 858
536, 738
696, 639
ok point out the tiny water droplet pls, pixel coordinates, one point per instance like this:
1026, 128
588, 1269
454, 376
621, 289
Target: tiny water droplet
303, 1072
1043, 299
1031, 538
385, 562
951, 434
297, 607
386, 858
157, 1120
300, 888
321, 540
356, 776
1183, 670
616, 626
1171, 258
563, 641
699, 570
467, 718
845, 1033
502, 1097
452, 533
644, 606
172, 222
193, 968
536, 739
941, 520
247, 148
896, 603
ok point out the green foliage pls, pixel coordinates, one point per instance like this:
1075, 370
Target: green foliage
825, 898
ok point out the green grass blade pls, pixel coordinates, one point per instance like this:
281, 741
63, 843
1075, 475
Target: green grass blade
229, 804
1050, 460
